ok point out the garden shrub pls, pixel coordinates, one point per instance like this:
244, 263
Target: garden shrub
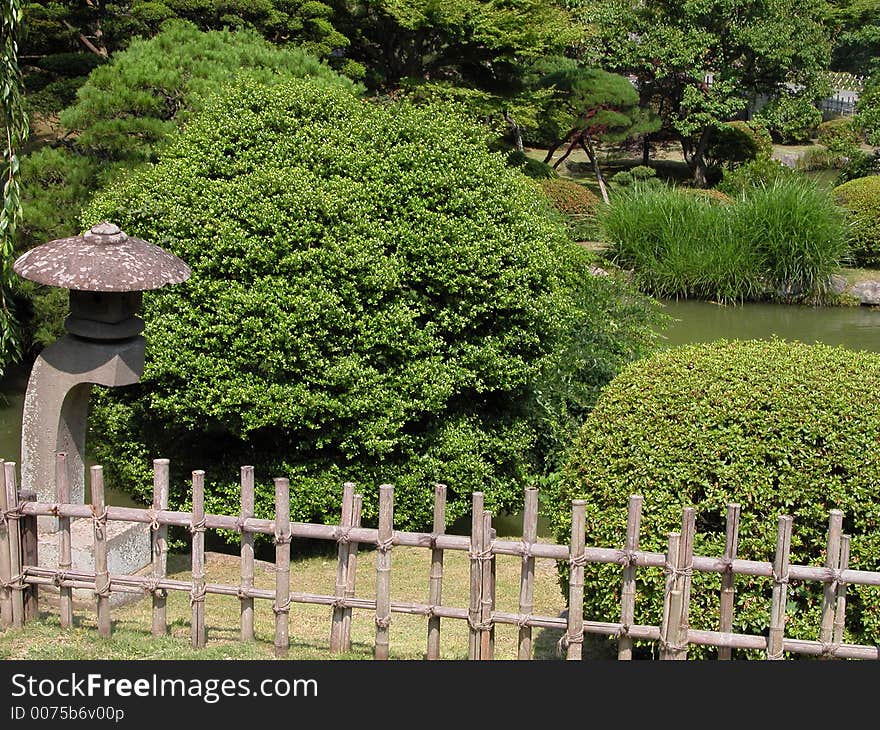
735, 143
710, 195
622, 178
839, 135
751, 175
375, 297
819, 158
777, 427
570, 197
791, 118
861, 200
642, 172
530, 167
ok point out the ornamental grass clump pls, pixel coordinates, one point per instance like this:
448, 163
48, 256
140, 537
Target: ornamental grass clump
375, 298
782, 240
778, 427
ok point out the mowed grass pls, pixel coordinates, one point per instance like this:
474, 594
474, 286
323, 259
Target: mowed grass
310, 625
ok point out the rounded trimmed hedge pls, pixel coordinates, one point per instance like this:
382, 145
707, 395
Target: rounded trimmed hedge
778, 427
861, 199
375, 297
569, 197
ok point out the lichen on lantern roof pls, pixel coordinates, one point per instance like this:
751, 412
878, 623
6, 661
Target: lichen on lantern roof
102, 259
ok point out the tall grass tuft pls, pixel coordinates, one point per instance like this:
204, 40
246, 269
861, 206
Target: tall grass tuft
679, 245
799, 233
784, 240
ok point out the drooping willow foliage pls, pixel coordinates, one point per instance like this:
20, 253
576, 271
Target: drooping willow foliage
15, 132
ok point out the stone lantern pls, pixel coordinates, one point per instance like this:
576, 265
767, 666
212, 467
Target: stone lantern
106, 272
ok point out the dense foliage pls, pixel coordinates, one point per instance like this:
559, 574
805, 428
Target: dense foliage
375, 298
783, 240
861, 199
791, 118
780, 428
735, 143
755, 174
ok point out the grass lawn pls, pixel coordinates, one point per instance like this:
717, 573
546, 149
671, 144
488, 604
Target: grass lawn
310, 625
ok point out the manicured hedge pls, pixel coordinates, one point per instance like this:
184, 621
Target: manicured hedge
861, 199
778, 427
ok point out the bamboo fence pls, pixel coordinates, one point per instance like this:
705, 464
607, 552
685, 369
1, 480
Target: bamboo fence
21, 574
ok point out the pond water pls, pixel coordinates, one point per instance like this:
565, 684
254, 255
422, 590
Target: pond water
857, 328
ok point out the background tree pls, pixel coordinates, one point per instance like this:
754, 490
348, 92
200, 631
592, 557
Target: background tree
856, 25
15, 123
588, 106
374, 297
699, 63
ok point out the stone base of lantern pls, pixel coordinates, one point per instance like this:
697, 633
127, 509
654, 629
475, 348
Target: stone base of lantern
128, 553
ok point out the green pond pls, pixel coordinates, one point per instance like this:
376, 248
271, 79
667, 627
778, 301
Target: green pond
695, 321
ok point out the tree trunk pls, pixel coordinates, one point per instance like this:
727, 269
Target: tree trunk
515, 129
570, 149
646, 150
587, 144
695, 156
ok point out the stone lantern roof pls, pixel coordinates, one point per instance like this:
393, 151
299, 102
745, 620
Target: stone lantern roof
103, 259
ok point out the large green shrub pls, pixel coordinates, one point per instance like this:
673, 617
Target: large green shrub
780, 428
861, 200
375, 297
839, 135
791, 118
735, 143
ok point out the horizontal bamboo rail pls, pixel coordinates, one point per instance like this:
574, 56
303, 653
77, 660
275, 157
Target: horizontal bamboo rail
368, 535
679, 563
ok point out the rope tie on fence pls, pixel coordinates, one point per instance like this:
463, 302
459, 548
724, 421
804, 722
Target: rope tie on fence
383, 546
566, 640
727, 564
283, 608
433, 541
429, 611
828, 649
243, 593
199, 526
383, 622
151, 585
154, 519
836, 576
479, 625
481, 555
197, 595
339, 602
14, 513
343, 535
282, 539
104, 591
780, 580
523, 620
578, 561
99, 520
629, 559
53, 509
58, 578
525, 549
16, 583
623, 631
239, 525
685, 572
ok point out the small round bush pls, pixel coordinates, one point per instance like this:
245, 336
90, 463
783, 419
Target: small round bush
735, 143
752, 175
569, 197
642, 172
778, 427
791, 118
839, 135
861, 200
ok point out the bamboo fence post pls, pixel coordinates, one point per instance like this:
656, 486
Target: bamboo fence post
159, 546
282, 567
102, 576
5, 561
383, 569
527, 572
345, 523
731, 541
435, 580
197, 528
487, 643
832, 563
62, 486
776, 634
15, 534
686, 568
628, 591
476, 574
840, 609
351, 573
28, 540
671, 599
577, 561
247, 555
